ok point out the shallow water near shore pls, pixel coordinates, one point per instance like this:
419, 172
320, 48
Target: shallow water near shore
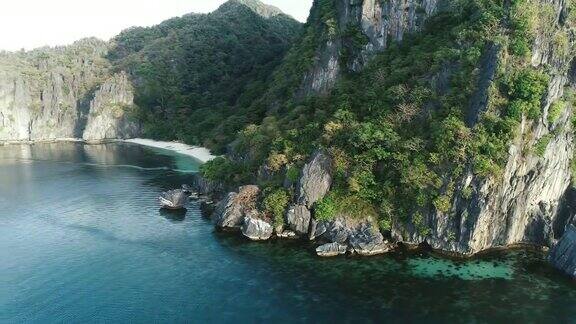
82, 240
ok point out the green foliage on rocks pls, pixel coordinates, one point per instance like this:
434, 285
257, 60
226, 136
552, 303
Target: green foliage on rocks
526, 89
275, 202
542, 144
225, 171
325, 209
556, 110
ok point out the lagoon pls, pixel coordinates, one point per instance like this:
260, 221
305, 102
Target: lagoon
82, 239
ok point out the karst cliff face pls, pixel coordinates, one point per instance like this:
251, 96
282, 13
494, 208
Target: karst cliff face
380, 22
63, 93
525, 204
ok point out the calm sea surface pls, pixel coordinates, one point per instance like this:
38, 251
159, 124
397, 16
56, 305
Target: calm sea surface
82, 240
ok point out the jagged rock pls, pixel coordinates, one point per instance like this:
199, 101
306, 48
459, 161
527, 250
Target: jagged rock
298, 219
312, 229
316, 179
367, 240
336, 230
319, 230
522, 204
108, 114
204, 186
331, 249
42, 99
230, 212
563, 254
383, 22
287, 235
174, 199
361, 235
256, 229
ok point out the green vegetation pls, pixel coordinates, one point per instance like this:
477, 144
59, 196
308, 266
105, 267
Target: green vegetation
196, 76
275, 202
526, 89
523, 19
556, 110
542, 144
398, 131
325, 209
225, 171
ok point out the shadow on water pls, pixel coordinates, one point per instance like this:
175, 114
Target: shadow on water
173, 215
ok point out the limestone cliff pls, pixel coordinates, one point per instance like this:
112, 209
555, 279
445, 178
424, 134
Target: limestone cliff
379, 22
53, 93
108, 117
523, 205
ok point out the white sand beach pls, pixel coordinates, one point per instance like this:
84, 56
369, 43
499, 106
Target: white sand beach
200, 153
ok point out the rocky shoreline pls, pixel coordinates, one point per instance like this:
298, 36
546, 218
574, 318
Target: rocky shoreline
237, 210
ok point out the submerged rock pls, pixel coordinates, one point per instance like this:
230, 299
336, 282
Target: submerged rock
331, 249
256, 229
563, 255
298, 219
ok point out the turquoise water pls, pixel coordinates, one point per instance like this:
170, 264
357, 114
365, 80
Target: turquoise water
82, 240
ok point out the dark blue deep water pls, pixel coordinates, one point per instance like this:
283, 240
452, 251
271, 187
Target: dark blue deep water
82, 240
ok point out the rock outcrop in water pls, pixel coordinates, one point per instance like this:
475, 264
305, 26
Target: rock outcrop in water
256, 228
231, 211
563, 255
62, 93
174, 199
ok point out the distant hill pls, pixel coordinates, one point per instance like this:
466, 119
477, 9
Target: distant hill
191, 73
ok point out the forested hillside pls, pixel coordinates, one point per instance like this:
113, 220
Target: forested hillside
453, 126
195, 76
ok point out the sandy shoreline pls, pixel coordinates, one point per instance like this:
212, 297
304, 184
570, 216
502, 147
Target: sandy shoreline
199, 153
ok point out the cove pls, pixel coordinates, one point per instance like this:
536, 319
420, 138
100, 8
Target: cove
82, 240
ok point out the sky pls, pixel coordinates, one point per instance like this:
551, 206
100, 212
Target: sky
28, 24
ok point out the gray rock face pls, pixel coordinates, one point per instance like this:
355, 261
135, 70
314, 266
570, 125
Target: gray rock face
521, 206
108, 117
228, 213
381, 22
331, 249
231, 211
54, 93
256, 229
315, 180
338, 230
360, 236
367, 240
174, 199
298, 219
563, 255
